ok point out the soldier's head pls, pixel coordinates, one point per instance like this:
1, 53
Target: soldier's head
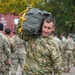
48, 26
1, 27
7, 31
62, 35
70, 35
55, 34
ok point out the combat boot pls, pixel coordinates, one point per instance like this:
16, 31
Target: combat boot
65, 70
68, 70
73, 63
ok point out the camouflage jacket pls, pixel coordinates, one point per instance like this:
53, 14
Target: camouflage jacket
70, 44
18, 45
4, 47
63, 43
43, 57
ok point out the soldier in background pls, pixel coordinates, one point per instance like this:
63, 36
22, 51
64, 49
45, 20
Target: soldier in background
63, 47
7, 33
69, 53
74, 54
56, 39
18, 53
43, 57
4, 53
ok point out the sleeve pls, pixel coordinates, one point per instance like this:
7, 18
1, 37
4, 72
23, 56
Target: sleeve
56, 60
13, 45
74, 46
7, 49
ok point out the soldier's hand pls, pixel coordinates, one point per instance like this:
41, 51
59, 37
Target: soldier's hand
7, 62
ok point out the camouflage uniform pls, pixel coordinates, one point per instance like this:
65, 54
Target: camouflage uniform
58, 41
10, 52
18, 53
74, 55
42, 57
4, 55
63, 46
69, 53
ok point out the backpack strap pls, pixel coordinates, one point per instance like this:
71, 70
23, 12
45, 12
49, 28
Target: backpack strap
22, 18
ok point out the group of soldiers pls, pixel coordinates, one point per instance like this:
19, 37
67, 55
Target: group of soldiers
38, 56
67, 47
44, 55
12, 52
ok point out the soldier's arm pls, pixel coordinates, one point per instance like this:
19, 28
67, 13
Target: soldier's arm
7, 49
13, 45
56, 61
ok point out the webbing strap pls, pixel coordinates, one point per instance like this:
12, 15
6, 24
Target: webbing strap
22, 18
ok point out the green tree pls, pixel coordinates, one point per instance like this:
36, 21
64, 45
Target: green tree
62, 10
15, 6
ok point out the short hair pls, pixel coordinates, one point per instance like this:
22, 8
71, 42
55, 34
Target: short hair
62, 34
7, 31
50, 19
1, 27
70, 35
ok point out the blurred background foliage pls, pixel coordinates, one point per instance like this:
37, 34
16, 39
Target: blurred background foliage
62, 10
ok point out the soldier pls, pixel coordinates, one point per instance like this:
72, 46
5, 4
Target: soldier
18, 53
43, 56
4, 53
7, 33
69, 52
74, 54
63, 46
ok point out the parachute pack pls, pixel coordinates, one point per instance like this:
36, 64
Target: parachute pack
30, 22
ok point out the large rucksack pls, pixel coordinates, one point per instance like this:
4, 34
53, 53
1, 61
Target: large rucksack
32, 25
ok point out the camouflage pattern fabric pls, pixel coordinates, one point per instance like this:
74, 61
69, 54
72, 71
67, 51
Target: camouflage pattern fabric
43, 57
74, 55
4, 54
69, 53
58, 41
63, 47
18, 53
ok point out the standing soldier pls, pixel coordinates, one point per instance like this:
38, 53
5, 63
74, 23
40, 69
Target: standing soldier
18, 53
7, 33
4, 53
63, 46
56, 39
74, 55
43, 56
69, 52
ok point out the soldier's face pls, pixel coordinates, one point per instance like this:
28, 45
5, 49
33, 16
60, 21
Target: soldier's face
47, 29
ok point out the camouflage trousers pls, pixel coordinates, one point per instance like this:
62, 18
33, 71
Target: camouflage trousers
4, 69
63, 56
68, 59
17, 58
74, 58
